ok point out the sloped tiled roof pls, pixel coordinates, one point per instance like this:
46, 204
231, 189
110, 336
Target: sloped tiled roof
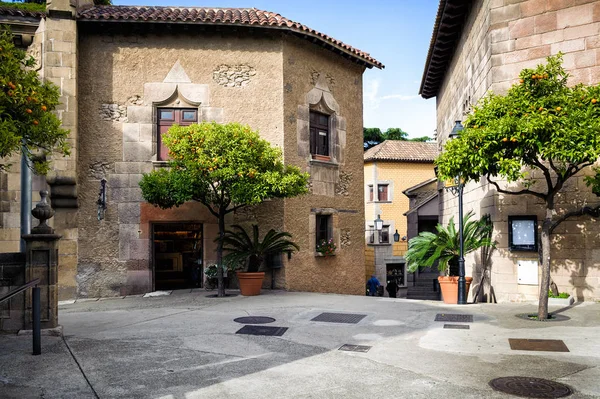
407, 151
221, 16
15, 12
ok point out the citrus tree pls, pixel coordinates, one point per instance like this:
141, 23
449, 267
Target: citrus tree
27, 124
541, 127
224, 167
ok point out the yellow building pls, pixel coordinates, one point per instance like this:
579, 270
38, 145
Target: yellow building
390, 168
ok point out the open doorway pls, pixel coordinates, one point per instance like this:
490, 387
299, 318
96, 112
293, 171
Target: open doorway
177, 255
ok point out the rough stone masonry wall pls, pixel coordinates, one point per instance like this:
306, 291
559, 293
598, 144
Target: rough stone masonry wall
315, 78
521, 34
228, 77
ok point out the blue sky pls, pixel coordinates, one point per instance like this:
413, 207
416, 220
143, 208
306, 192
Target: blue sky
395, 32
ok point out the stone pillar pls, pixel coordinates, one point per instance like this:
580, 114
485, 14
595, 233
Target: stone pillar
41, 261
58, 37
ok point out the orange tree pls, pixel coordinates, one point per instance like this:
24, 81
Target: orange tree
540, 125
224, 167
26, 121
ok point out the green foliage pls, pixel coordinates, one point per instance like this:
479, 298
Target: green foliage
243, 249
562, 295
25, 108
427, 248
540, 123
594, 181
26, 6
422, 139
221, 165
373, 136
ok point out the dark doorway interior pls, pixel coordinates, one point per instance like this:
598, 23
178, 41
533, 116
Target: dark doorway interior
177, 250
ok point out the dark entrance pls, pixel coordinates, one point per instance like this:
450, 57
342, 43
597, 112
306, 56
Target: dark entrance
177, 255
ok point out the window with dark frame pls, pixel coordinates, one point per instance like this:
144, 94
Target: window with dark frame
323, 229
168, 117
382, 192
319, 134
384, 235
371, 192
522, 233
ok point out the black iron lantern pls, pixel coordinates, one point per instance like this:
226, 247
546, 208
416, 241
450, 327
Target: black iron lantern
396, 236
456, 130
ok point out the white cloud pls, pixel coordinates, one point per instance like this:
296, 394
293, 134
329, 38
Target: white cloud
401, 97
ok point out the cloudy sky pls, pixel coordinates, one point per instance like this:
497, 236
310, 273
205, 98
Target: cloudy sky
395, 32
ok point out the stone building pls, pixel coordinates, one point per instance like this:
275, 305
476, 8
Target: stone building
127, 73
391, 168
480, 46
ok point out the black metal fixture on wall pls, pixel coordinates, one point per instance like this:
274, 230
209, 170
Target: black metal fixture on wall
396, 236
458, 189
102, 200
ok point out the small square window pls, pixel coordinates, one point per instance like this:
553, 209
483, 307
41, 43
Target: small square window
166, 115
522, 233
190, 116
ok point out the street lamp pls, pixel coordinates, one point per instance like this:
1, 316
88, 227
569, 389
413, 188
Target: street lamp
396, 236
378, 223
458, 189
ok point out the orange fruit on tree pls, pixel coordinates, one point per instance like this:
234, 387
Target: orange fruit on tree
44, 108
504, 140
521, 81
540, 109
533, 76
594, 101
35, 122
558, 109
28, 111
514, 140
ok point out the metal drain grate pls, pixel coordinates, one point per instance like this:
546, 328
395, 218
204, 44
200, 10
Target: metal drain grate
355, 348
254, 320
348, 318
530, 387
262, 330
457, 326
540, 345
460, 318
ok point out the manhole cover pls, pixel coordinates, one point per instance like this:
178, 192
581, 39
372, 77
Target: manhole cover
460, 318
348, 318
541, 345
354, 348
217, 296
262, 330
457, 326
530, 387
254, 320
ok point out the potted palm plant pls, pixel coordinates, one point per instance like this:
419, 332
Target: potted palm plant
443, 247
249, 252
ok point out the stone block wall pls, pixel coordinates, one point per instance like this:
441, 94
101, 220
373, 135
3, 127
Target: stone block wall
507, 36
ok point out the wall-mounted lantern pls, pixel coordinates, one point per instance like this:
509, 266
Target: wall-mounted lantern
396, 236
102, 200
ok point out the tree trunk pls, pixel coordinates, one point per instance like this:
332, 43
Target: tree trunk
220, 285
545, 283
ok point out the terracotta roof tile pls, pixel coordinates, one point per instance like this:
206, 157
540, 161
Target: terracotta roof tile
212, 16
397, 150
15, 12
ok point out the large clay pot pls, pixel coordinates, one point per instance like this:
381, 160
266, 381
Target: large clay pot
449, 287
250, 283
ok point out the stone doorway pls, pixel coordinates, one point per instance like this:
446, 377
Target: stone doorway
177, 253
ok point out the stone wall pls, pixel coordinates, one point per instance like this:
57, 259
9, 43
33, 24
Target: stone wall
227, 77
499, 40
314, 78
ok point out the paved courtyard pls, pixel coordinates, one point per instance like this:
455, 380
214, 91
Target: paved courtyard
185, 346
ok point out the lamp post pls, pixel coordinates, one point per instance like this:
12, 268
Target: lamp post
462, 285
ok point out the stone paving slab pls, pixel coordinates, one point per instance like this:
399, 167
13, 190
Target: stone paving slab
184, 346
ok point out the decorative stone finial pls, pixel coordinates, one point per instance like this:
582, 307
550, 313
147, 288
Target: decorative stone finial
42, 211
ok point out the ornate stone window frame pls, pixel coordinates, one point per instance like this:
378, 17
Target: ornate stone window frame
335, 228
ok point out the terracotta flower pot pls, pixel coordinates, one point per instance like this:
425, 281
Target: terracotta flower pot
250, 283
449, 287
